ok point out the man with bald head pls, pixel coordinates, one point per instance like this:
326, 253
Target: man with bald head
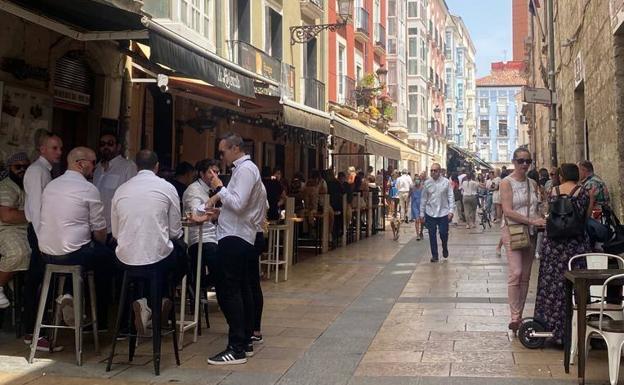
72, 229
436, 207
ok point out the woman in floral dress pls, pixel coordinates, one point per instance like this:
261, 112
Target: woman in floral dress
550, 300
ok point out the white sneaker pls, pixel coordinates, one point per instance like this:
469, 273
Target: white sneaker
67, 308
142, 316
4, 301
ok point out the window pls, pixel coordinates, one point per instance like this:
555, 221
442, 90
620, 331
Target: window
392, 26
413, 104
391, 8
484, 127
412, 9
503, 151
412, 31
502, 127
273, 33
484, 104
342, 61
412, 54
392, 46
241, 25
197, 14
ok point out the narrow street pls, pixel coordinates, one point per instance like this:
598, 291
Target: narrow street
376, 312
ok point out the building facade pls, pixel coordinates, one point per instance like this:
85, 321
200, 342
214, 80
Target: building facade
589, 82
459, 84
397, 65
497, 112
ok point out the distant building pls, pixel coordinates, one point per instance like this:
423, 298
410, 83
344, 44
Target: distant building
497, 112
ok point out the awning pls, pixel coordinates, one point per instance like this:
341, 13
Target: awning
181, 59
82, 20
298, 115
473, 158
376, 142
343, 129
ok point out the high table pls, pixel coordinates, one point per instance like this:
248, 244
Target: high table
581, 280
194, 323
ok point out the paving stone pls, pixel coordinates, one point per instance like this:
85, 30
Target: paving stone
489, 369
484, 357
403, 369
392, 356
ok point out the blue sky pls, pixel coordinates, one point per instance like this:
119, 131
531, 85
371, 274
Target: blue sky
489, 23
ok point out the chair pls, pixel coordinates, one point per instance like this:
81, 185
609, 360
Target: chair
595, 261
156, 277
612, 331
76, 272
273, 254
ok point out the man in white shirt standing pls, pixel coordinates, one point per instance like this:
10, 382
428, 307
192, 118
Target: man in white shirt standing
436, 207
71, 218
112, 171
37, 176
404, 184
146, 222
242, 201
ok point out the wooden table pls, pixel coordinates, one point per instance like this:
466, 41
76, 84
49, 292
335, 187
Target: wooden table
191, 324
581, 280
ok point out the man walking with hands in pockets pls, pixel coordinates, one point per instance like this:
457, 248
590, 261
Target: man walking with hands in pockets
436, 207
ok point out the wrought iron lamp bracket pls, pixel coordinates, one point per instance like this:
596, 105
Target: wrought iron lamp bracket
305, 33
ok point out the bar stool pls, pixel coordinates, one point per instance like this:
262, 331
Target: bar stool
273, 253
76, 272
156, 277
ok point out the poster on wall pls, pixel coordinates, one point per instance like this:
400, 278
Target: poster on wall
24, 112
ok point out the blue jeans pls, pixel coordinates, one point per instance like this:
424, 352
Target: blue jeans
433, 224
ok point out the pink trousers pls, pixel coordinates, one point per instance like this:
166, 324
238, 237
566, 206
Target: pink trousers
518, 275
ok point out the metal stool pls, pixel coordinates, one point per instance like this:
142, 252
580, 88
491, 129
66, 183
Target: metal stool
156, 277
76, 274
273, 253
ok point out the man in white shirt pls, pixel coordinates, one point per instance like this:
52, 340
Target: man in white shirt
436, 207
243, 201
37, 176
146, 222
195, 196
404, 184
112, 171
71, 218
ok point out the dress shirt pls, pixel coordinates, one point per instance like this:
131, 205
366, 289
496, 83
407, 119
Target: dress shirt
37, 176
71, 209
261, 215
119, 171
470, 187
196, 195
145, 217
437, 198
242, 202
404, 183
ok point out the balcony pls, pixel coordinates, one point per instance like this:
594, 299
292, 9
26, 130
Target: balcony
380, 39
313, 8
314, 94
256, 60
346, 91
362, 32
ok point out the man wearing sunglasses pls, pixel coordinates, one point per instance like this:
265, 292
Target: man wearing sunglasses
14, 249
112, 171
437, 203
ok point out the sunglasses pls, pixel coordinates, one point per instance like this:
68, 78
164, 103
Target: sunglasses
524, 161
109, 143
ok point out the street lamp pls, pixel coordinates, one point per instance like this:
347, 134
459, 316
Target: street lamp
305, 33
434, 119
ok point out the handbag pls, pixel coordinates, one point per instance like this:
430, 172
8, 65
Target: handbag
519, 237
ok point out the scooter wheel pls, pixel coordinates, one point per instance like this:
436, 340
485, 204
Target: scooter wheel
524, 334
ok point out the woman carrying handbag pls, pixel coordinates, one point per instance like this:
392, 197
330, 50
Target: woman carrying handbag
519, 201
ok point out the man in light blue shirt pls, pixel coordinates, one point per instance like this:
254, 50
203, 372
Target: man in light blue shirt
436, 207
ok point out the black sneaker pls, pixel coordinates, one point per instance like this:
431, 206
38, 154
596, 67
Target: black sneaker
433, 260
249, 352
228, 357
445, 254
257, 339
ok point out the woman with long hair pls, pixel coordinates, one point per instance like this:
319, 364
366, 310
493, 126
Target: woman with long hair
519, 199
415, 194
470, 192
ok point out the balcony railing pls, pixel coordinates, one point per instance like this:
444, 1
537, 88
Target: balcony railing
361, 20
314, 94
256, 60
346, 91
318, 3
380, 35
313, 8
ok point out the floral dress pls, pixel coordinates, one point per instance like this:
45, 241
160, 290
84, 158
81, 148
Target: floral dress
550, 299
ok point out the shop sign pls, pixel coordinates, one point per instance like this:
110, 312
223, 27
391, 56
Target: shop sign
537, 95
72, 96
579, 70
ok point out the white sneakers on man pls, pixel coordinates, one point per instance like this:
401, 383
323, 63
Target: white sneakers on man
66, 301
142, 316
4, 301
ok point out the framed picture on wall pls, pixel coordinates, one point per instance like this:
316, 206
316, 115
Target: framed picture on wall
25, 114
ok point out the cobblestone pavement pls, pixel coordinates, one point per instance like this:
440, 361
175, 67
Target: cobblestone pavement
377, 312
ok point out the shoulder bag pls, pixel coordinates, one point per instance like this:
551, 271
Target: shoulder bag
519, 237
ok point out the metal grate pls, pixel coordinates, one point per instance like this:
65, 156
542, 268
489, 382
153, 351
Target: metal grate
72, 72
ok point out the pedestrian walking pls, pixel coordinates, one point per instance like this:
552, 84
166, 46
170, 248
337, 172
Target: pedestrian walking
519, 199
404, 185
470, 192
436, 208
415, 196
242, 201
550, 306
